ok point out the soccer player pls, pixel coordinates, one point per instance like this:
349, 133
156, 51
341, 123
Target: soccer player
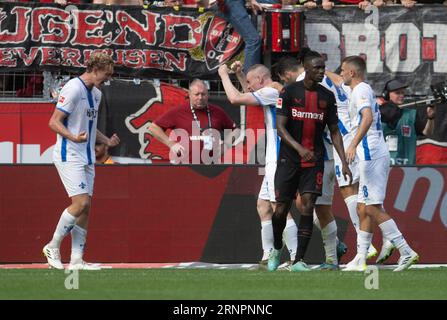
74, 120
259, 89
290, 70
369, 145
303, 111
350, 192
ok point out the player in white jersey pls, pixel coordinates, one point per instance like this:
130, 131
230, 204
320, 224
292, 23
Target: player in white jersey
350, 192
74, 120
259, 89
369, 145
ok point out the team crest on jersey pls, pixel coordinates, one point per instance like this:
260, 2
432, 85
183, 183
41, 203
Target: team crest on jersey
279, 103
92, 113
61, 99
298, 103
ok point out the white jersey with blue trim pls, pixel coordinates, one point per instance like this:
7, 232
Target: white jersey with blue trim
373, 145
344, 120
81, 107
267, 97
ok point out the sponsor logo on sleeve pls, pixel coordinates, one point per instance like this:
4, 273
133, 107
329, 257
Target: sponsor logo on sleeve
279, 103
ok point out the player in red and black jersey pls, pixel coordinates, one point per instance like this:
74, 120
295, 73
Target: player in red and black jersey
305, 114
303, 111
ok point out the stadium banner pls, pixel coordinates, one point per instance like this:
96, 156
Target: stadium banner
147, 101
395, 41
213, 219
159, 41
26, 138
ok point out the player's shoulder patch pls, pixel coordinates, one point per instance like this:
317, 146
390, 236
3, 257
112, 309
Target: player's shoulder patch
279, 103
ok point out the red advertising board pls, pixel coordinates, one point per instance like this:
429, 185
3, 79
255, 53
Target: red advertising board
416, 199
175, 213
24, 133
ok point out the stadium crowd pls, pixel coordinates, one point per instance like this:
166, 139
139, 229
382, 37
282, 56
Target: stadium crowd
310, 4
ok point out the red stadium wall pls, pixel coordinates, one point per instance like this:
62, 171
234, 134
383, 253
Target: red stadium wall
24, 133
174, 214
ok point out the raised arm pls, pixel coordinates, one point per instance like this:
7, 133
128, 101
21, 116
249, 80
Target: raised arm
237, 67
233, 94
335, 78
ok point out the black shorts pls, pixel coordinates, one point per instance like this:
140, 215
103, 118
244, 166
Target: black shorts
290, 178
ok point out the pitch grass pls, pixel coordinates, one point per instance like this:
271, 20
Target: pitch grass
206, 284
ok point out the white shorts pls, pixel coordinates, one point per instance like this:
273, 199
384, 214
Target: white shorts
327, 193
267, 191
78, 178
354, 167
373, 180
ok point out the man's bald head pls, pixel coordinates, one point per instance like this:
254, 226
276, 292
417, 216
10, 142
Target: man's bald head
260, 70
198, 94
197, 82
258, 76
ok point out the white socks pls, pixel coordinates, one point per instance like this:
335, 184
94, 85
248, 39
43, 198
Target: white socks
363, 242
78, 236
290, 236
316, 221
329, 235
267, 238
351, 203
64, 226
67, 224
391, 232
317, 224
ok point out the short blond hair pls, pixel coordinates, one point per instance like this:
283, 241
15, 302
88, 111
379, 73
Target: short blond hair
260, 70
99, 60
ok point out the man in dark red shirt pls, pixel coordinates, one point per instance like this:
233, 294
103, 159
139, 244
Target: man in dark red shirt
198, 123
303, 110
